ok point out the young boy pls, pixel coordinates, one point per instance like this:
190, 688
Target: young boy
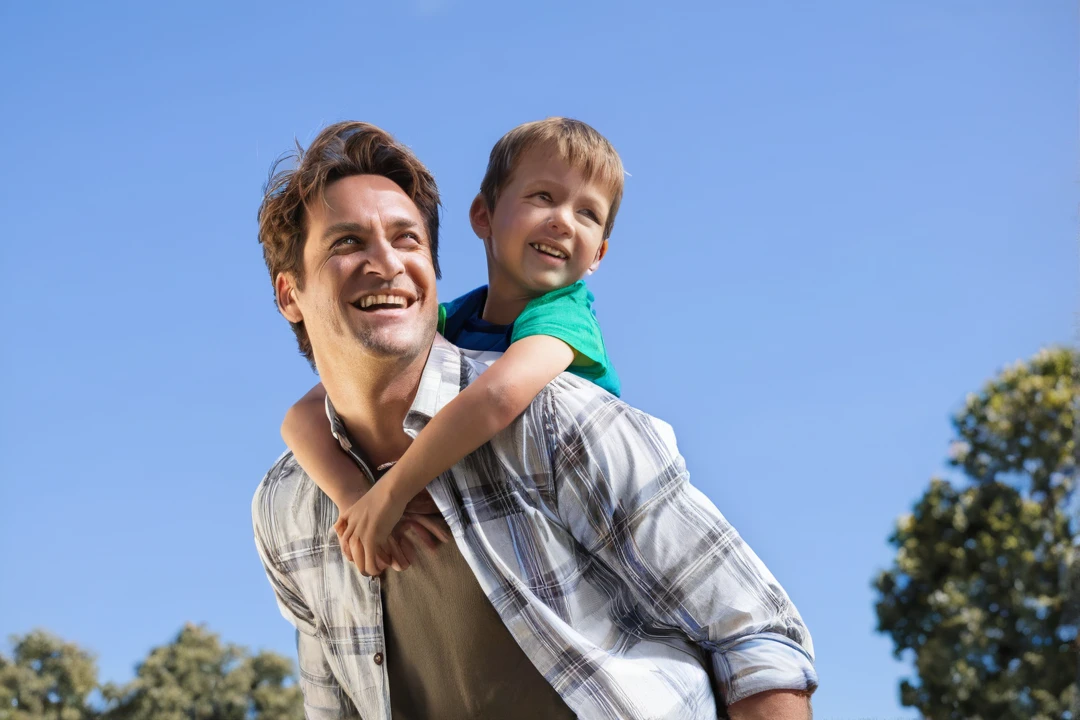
546, 208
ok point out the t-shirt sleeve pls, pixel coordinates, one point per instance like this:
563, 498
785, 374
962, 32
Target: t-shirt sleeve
442, 319
566, 314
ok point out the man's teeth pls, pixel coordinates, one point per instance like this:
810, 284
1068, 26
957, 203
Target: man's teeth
370, 300
548, 250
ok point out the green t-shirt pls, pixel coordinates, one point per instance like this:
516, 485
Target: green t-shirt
566, 314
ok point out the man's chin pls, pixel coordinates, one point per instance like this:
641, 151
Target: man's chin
390, 346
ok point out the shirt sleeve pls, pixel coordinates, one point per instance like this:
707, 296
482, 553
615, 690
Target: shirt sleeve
324, 699
626, 496
566, 314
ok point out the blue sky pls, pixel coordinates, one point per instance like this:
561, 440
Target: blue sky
840, 219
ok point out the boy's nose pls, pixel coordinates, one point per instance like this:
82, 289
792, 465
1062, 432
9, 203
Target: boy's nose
559, 221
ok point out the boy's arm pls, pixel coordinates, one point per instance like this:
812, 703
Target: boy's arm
306, 430
483, 409
468, 421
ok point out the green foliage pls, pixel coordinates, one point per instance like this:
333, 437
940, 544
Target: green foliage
195, 677
46, 678
980, 587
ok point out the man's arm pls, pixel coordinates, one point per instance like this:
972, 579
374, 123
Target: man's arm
625, 494
324, 698
773, 705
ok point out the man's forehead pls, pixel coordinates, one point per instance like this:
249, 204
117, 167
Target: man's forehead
363, 199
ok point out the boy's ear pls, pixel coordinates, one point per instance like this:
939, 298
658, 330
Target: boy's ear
285, 290
600, 253
480, 217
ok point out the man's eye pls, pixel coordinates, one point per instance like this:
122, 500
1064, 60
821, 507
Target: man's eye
410, 238
346, 241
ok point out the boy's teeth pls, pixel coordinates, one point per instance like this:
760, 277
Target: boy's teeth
548, 250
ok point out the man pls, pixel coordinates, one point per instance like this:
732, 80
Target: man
586, 577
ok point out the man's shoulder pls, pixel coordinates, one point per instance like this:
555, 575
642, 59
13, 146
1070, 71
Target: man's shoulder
285, 501
574, 398
588, 408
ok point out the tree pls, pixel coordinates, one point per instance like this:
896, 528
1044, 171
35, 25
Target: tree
980, 587
46, 679
197, 678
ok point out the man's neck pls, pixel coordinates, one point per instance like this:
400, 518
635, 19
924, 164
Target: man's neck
372, 399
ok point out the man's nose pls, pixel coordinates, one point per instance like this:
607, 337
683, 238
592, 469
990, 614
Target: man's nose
383, 260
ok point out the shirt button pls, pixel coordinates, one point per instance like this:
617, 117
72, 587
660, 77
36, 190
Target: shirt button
378, 658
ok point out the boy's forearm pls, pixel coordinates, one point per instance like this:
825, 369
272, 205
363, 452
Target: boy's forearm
482, 410
773, 705
467, 422
307, 432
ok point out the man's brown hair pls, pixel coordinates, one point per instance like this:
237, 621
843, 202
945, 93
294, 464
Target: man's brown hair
576, 143
339, 151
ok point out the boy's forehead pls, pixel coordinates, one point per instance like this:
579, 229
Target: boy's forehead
546, 162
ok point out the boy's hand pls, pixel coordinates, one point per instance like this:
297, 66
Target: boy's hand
365, 530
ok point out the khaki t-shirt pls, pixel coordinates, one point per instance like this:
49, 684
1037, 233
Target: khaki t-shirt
448, 653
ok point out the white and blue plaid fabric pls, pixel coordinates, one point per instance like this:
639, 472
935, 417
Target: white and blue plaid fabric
622, 582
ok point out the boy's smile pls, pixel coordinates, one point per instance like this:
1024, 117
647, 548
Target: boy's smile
546, 232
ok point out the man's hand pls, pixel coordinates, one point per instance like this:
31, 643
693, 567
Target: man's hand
773, 705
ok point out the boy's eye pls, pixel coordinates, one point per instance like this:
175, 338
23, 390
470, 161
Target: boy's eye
591, 215
543, 195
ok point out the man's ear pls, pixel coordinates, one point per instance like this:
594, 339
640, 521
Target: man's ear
285, 289
480, 217
600, 253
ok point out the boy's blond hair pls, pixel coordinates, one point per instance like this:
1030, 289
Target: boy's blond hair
575, 142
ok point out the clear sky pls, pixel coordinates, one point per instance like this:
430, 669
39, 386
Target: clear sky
839, 220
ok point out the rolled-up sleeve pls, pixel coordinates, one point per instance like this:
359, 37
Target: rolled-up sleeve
627, 498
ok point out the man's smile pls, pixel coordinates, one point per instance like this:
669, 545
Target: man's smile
385, 300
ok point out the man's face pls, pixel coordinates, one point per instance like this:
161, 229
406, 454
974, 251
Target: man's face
547, 229
369, 281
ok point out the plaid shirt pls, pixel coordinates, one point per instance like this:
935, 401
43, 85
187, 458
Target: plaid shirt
622, 583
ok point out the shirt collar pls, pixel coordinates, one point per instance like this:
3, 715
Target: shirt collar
440, 382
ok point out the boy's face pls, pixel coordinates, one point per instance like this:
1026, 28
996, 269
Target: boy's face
547, 230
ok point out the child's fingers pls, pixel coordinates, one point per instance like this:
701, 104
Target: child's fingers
399, 562
416, 531
357, 549
371, 563
345, 550
385, 554
432, 525
408, 550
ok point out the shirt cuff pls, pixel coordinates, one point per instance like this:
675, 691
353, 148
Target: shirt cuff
760, 663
